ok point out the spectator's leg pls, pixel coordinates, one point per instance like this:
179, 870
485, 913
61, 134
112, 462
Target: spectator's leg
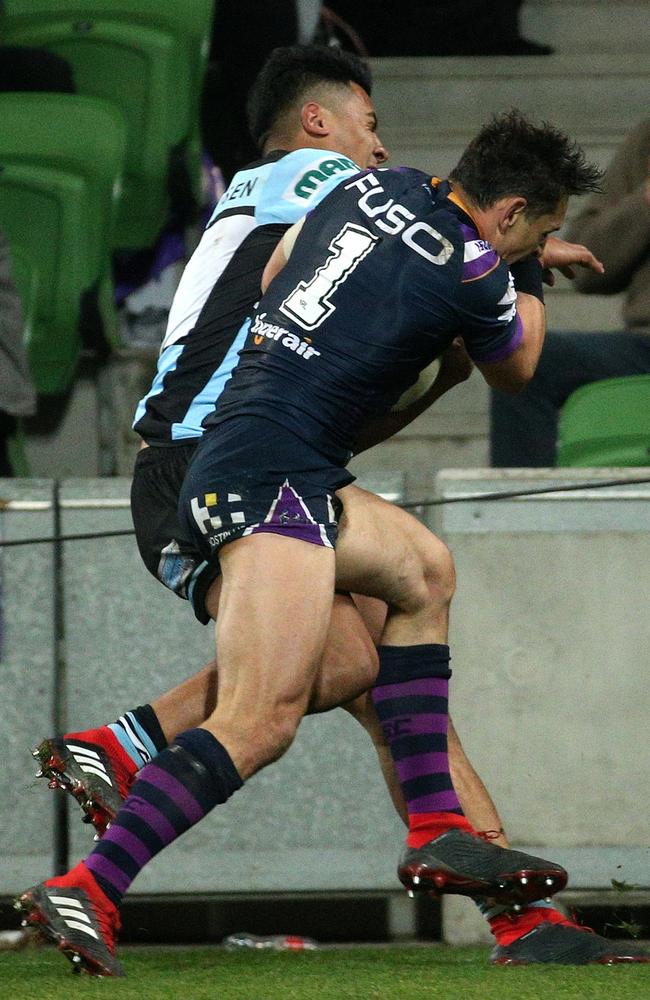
7, 428
523, 428
34, 69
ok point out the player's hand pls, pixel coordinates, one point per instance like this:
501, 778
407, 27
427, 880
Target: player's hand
563, 256
455, 363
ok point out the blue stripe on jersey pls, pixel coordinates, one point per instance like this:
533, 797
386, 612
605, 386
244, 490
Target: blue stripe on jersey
166, 363
204, 402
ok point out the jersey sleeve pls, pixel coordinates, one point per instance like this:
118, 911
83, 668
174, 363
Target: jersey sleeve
486, 305
299, 182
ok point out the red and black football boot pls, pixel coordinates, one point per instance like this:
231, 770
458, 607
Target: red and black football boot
93, 767
563, 942
73, 913
461, 863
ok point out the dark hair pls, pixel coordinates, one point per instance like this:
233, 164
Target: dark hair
289, 73
511, 156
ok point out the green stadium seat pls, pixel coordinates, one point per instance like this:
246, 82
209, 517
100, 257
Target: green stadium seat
146, 56
61, 158
607, 423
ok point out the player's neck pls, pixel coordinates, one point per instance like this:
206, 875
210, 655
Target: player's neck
482, 218
460, 197
301, 140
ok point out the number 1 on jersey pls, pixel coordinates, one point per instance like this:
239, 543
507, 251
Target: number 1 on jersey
310, 301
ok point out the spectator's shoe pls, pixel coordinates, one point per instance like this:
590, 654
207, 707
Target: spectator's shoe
461, 863
76, 916
566, 944
93, 768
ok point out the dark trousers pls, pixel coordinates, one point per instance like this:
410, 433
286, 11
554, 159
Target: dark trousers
431, 27
26, 68
523, 428
7, 428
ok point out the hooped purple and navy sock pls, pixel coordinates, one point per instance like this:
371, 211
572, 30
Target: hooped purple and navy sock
171, 794
411, 699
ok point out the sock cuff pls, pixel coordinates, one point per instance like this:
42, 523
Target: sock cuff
215, 759
403, 663
147, 716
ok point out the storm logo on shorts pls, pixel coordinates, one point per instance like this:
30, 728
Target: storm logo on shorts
271, 331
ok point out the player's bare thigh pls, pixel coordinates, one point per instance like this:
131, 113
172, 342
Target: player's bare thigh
386, 553
274, 614
349, 662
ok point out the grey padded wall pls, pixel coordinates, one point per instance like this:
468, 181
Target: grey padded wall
550, 639
26, 674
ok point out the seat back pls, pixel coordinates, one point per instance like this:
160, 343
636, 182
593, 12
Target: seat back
146, 56
61, 158
607, 423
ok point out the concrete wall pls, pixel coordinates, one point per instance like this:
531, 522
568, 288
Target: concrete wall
549, 638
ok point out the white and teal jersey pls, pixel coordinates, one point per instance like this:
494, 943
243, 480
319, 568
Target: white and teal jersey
221, 283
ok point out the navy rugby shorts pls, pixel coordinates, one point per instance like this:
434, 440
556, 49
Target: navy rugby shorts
167, 551
250, 475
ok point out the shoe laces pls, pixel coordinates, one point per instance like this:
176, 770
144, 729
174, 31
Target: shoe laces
488, 835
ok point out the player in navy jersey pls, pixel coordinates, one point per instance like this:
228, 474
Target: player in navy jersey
218, 286
259, 493
326, 354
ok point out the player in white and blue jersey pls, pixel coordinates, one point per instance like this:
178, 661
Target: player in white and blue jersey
306, 100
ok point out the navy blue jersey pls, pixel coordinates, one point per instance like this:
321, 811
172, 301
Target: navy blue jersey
222, 282
386, 271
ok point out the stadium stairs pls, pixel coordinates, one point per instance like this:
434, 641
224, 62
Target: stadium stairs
595, 86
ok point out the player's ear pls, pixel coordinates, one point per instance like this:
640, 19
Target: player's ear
314, 119
510, 210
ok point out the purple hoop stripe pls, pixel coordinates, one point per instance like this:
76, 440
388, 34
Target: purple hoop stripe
418, 725
106, 869
421, 764
133, 846
436, 802
437, 687
178, 793
151, 816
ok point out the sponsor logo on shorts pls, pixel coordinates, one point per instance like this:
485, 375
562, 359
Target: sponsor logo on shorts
209, 522
271, 331
304, 184
221, 537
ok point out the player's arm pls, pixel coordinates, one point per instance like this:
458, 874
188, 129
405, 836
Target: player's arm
453, 367
512, 372
281, 254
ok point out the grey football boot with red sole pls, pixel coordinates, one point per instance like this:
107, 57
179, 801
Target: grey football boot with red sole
461, 863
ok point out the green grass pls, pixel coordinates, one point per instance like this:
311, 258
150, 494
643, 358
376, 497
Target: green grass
420, 973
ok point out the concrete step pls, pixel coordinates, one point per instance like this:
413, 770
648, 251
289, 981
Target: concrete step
430, 108
592, 26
